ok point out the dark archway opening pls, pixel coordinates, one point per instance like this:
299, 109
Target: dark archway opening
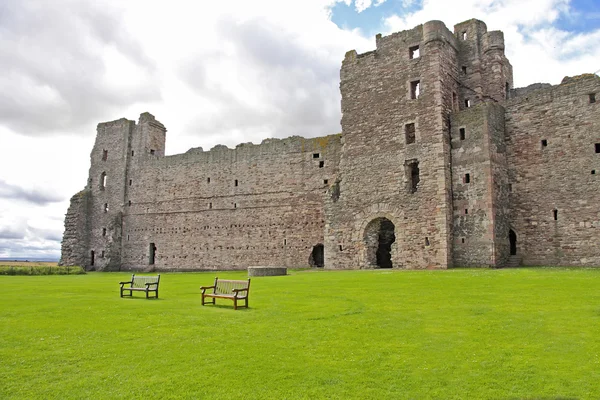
152, 254
379, 237
317, 257
512, 238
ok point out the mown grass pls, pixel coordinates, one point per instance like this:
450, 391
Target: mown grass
521, 333
39, 269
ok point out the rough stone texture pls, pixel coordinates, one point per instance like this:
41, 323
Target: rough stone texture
267, 271
430, 182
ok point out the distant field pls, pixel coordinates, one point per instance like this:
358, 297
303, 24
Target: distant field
28, 264
456, 334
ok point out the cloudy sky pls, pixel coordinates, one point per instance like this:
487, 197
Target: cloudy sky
221, 72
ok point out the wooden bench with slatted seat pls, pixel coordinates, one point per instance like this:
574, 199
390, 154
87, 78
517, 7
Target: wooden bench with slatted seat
145, 284
227, 289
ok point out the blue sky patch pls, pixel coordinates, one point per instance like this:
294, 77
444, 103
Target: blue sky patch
370, 21
584, 17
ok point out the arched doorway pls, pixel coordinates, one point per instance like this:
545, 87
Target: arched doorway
379, 236
512, 238
317, 258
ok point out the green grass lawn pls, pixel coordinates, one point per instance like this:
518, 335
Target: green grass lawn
464, 333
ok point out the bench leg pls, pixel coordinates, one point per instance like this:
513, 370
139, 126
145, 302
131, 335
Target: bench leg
235, 303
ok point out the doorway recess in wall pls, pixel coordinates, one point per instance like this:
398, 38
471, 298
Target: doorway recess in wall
512, 238
317, 258
379, 236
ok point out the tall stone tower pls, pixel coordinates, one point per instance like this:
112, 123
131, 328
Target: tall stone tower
393, 202
96, 213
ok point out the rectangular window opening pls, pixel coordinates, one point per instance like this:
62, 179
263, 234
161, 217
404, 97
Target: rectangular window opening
592, 98
463, 35
285, 242
325, 181
234, 205
467, 178
316, 155
236, 182
341, 247
555, 213
510, 187
413, 52
207, 180
462, 240
132, 153
544, 143
321, 164
152, 151
415, 89
597, 147
209, 206
593, 172
409, 132
104, 155
129, 203
467, 103
426, 241
464, 69
130, 182
462, 133
466, 211
103, 231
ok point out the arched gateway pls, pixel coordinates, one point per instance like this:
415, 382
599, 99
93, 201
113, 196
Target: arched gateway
379, 236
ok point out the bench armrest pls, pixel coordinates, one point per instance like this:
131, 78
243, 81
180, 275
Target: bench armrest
124, 283
236, 291
207, 287
152, 283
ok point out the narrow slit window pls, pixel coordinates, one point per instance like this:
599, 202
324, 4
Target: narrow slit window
130, 182
132, 153
462, 133
285, 242
102, 180
415, 89
467, 103
412, 175
234, 205
426, 241
207, 180
409, 132
466, 211
105, 207
321, 164
592, 97
209, 206
463, 35
103, 231
464, 69
413, 52
544, 143
462, 240
341, 247
129, 203
104, 155
555, 214
597, 147
236, 182
467, 178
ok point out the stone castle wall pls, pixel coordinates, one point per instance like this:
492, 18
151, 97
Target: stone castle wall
464, 171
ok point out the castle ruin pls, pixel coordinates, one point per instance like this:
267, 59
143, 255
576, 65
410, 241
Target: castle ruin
440, 163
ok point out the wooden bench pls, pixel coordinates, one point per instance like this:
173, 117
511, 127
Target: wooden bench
141, 284
227, 289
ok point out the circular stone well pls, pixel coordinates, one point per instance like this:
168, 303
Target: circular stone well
266, 271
